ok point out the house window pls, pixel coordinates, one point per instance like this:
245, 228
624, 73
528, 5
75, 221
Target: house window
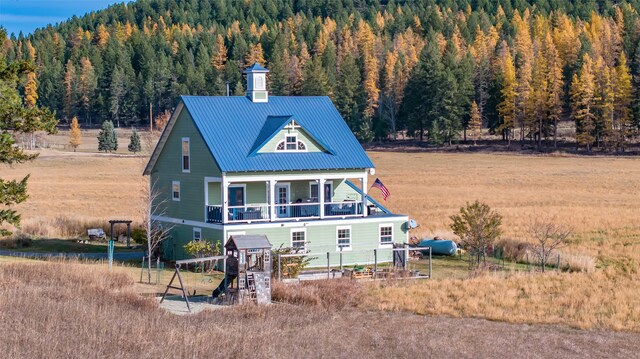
298, 238
186, 155
175, 190
343, 237
291, 143
386, 234
197, 234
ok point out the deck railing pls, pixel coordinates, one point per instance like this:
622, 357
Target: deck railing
283, 212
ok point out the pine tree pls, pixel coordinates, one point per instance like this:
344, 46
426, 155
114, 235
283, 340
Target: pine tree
14, 115
623, 101
87, 86
118, 91
107, 139
134, 142
508, 107
70, 88
582, 103
75, 135
475, 123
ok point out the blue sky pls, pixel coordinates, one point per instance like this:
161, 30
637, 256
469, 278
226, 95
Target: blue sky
27, 15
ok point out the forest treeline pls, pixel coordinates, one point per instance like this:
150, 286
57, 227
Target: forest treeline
436, 70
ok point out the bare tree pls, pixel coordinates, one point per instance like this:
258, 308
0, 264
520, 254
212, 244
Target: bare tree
478, 227
154, 206
548, 237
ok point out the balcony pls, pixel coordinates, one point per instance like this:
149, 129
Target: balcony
264, 212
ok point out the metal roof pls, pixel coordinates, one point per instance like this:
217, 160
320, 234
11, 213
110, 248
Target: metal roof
232, 127
248, 241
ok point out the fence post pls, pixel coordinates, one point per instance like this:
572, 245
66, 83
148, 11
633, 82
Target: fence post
328, 266
558, 264
430, 267
375, 263
406, 257
341, 268
279, 268
157, 270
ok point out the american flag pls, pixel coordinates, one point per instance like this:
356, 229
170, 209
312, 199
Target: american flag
378, 184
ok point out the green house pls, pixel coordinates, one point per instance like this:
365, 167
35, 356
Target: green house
282, 166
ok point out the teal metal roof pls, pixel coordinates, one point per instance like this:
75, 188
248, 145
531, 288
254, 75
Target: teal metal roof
233, 127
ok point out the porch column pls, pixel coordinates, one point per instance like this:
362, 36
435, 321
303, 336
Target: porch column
272, 200
321, 182
225, 200
365, 187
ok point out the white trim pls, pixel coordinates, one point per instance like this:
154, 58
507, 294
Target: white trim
286, 185
388, 244
188, 141
263, 225
294, 177
199, 231
208, 180
173, 198
298, 229
244, 192
350, 247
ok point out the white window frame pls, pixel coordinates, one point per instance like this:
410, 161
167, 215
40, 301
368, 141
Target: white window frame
338, 246
188, 141
173, 193
284, 141
197, 234
385, 244
295, 230
244, 192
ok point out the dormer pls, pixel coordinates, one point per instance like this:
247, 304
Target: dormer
257, 83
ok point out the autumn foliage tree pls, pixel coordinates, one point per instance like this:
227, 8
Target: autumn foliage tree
75, 135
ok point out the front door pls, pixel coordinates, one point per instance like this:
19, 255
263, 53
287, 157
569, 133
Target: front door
282, 197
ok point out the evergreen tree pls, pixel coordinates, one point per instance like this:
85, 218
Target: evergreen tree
582, 103
107, 138
16, 118
134, 142
347, 98
75, 135
623, 96
475, 123
507, 108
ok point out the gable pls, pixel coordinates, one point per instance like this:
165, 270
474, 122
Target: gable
166, 156
233, 126
311, 145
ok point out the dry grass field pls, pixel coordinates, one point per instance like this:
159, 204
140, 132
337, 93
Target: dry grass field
77, 310
597, 196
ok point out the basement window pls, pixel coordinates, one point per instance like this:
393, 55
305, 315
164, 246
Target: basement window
298, 238
197, 234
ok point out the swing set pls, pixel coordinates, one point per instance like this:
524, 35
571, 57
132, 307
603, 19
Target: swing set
200, 265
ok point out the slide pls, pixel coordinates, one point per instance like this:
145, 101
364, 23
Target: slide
223, 286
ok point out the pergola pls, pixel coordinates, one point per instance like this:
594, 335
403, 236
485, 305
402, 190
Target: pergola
122, 221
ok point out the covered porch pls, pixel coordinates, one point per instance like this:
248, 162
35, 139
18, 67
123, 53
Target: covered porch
254, 199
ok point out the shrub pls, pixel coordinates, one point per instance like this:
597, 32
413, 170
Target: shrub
202, 248
17, 240
478, 227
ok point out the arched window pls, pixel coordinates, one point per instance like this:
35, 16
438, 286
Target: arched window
291, 143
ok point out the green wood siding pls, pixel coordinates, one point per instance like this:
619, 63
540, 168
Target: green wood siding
173, 248
168, 168
312, 145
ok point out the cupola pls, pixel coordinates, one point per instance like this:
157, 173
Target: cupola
257, 83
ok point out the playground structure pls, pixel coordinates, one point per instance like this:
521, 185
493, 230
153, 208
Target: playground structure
246, 267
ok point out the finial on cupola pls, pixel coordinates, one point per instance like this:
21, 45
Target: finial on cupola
257, 83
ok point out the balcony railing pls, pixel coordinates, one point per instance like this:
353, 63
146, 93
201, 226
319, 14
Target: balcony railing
283, 212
